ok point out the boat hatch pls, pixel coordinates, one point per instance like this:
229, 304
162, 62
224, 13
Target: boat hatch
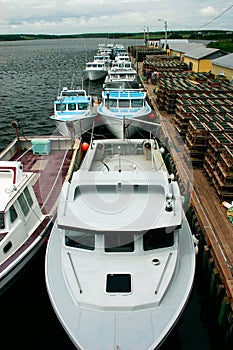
118, 283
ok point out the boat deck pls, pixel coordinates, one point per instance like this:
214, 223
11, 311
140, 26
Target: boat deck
126, 162
50, 172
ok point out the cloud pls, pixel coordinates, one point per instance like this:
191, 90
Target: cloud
82, 16
208, 11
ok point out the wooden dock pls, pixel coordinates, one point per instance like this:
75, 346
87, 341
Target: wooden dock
212, 216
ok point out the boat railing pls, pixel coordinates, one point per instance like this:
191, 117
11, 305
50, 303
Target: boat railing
125, 94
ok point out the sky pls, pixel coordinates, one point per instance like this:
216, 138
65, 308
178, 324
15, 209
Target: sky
98, 16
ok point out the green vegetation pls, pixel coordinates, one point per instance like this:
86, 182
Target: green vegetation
225, 45
218, 39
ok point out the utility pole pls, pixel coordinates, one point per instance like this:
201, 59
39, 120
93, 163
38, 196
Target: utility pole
165, 28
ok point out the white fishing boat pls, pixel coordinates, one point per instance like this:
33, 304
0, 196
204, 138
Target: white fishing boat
120, 109
73, 112
32, 171
123, 57
121, 76
98, 68
120, 259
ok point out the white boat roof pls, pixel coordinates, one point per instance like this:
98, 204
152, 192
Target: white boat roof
102, 195
73, 99
12, 179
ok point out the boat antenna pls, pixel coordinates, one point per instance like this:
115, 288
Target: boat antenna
92, 134
88, 91
59, 87
123, 127
72, 82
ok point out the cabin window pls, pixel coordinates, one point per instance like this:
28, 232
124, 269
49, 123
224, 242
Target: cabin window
157, 238
137, 103
23, 204
124, 103
82, 106
72, 106
60, 107
28, 196
69, 93
2, 222
82, 240
7, 247
112, 103
13, 214
119, 242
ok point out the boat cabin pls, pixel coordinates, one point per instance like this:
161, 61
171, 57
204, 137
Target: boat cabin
19, 208
116, 100
72, 100
122, 58
102, 58
96, 65
121, 65
121, 74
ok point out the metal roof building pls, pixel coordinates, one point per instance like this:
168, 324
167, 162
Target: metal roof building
223, 66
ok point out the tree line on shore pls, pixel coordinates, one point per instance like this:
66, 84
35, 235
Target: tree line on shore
218, 38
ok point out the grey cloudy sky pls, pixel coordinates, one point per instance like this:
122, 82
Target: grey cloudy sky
93, 16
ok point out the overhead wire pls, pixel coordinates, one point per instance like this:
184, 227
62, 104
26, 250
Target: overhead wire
221, 14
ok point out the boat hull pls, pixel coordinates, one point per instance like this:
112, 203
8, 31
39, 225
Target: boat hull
118, 128
139, 328
127, 126
96, 74
75, 128
9, 275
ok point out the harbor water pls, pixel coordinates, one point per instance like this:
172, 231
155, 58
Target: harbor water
31, 74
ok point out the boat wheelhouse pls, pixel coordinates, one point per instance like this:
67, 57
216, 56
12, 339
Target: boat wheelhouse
73, 112
119, 108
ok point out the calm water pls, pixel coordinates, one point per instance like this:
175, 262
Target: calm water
31, 74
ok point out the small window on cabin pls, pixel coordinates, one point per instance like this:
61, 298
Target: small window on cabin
13, 214
82, 240
112, 103
137, 103
7, 247
82, 106
158, 238
23, 204
71, 106
121, 242
124, 103
60, 107
28, 197
2, 222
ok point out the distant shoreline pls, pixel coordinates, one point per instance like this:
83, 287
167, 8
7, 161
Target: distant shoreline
182, 34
